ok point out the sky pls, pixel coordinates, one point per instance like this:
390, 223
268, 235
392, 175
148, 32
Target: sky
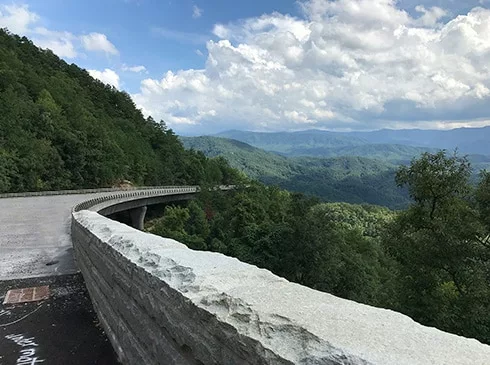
205, 66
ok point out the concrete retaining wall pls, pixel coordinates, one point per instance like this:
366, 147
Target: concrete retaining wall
162, 303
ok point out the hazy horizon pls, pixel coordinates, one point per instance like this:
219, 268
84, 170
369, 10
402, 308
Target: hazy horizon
324, 130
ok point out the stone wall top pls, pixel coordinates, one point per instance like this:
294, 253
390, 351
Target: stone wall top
98, 203
295, 323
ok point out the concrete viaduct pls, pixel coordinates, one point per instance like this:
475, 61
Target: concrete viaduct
163, 303
35, 238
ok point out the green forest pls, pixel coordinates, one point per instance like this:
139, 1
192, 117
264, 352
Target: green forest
362, 174
351, 179
430, 261
62, 129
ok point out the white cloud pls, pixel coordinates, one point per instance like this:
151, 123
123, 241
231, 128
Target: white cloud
60, 43
107, 76
136, 69
98, 42
20, 20
430, 17
345, 64
17, 18
221, 31
61, 47
196, 12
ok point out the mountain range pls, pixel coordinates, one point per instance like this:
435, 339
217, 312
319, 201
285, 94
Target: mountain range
357, 167
350, 179
392, 144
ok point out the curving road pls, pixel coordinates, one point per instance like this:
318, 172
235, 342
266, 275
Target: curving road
35, 230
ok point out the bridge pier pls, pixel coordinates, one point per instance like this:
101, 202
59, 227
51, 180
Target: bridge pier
138, 217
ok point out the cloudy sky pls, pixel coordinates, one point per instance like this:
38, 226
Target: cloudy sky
209, 65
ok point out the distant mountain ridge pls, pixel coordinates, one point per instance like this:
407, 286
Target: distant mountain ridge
282, 142
350, 179
330, 165
326, 143
467, 140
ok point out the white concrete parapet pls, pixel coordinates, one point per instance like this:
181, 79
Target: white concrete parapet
163, 303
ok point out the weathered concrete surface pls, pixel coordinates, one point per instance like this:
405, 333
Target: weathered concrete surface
162, 303
35, 230
138, 217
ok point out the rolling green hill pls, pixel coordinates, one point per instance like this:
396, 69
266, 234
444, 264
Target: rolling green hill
349, 179
254, 162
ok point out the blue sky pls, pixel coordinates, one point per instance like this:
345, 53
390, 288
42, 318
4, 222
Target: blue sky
205, 66
160, 34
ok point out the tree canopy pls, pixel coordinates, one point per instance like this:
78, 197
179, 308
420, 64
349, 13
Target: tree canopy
62, 129
441, 245
430, 261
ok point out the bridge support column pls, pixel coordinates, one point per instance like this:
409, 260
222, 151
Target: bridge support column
138, 217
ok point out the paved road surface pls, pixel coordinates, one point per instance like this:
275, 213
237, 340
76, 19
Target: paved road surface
60, 330
35, 235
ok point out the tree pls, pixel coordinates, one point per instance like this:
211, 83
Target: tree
444, 266
346, 257
197, 222
172, 224
483, 202
435, 179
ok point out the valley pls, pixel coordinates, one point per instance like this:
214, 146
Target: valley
333, 167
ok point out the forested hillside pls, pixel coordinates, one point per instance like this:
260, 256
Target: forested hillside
343, 179
253, 161
62, 129
430, 261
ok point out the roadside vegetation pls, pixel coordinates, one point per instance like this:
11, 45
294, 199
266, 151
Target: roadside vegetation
430, 261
